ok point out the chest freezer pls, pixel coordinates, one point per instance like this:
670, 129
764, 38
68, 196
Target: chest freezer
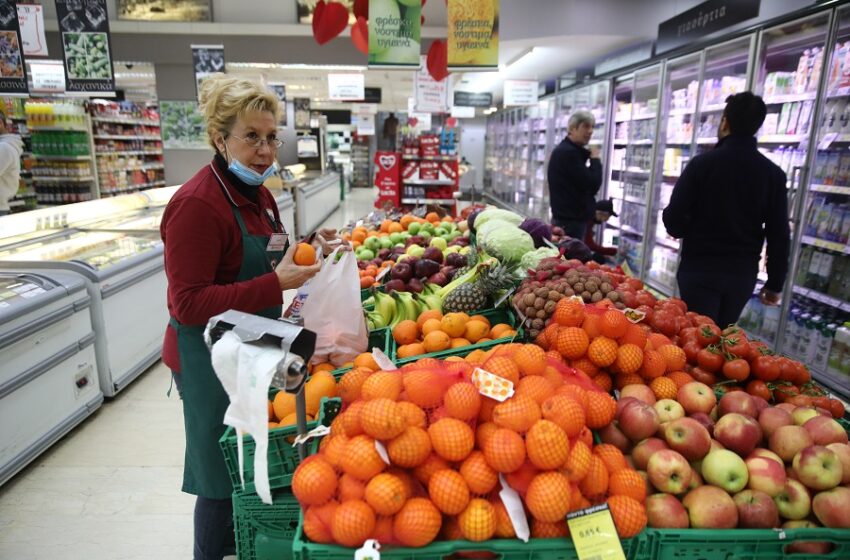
48, 374
125, 277
286, 207
316, 198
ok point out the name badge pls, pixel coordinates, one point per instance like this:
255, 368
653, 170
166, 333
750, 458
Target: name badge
277, 242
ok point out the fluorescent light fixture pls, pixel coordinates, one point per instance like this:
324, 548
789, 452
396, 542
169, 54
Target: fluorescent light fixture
490, 110
268, 66
517, 58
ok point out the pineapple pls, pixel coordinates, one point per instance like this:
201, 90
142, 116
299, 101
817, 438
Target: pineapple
478, 294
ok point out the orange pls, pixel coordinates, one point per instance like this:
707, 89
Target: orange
426, 470
413, 415
500, 331
565, 413
314, 481
653, 364
592, 325
386, 384
478, 521
305, 255
332, 447
602, 351
350, 383
351, 419
614, 324
395, 227
658, 340
572, 342
680, 378
629, 358
436, 341
504, 450
629, 515
537, 387
627, 482
475, 357
545, 530
418, 523
428, 314
451, 530
540, 340
410, 350
449, 491
453, 324
577, 393
462, 401
553, 376
406, 220
624, 379
547, 445
350, 488
612, 457
551, 334
323, 367
283, 404
361, 459
518, 413
601, 409
568, 313
481, 318
504, 525
578, 462
504, 368
479, 476
488, 405
321, 384
674, 357
366, 360
451, 439
318, 521
585, 365
664, 388
432, 217
460, 342
548, 496
424, 387
531, 360
385, 226
430, 325
353, 523
595, 483
603, 381
410, 449
406, 332
380, 419
634, 335
475, 330
483, 432
386, 494
383, 529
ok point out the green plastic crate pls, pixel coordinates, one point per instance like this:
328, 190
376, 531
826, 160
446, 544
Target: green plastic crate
265, 532
741, 544
379, 338
282, 455
495, 316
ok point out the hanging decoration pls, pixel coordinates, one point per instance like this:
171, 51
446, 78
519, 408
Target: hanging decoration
329, 20
438, 60
360, 35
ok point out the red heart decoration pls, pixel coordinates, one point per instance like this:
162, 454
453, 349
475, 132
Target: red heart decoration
361, 9
329, 20
451, 122
438, 60
412, 122
360, 35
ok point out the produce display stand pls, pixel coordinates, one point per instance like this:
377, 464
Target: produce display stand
742, 544
265, 532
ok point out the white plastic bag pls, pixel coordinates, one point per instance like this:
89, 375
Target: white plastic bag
334, 312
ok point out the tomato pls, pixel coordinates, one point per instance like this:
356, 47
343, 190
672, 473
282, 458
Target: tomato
710, 360
650, 313
803, 374
679, 303
758, 388
787, 369
736, 344
701, 320
766, 368
708, 334
688, 334
665, 323
645, 298
785, 392
822, 402
836, 407
737, 369
629, 299
634, 283
682, 322
800, 400
703, 376
691, 351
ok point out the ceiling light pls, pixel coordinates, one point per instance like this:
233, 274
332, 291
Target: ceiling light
517, 58
268, 66
490, 111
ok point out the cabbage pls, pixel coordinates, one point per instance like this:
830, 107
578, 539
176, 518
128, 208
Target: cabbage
496, 214
508, 244
532, 259
490, 226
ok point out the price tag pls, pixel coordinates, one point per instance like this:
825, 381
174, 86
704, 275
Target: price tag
318, 431
594, 534
504, 297
382, 360
382, 451
633, 315
491, 385
383, 273
827, 140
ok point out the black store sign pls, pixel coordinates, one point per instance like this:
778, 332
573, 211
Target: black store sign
469, 99
84, 29
13, 71
702, 20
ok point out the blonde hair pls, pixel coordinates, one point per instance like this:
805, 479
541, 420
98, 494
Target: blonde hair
226, 98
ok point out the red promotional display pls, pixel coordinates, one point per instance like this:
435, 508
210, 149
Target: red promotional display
387, 179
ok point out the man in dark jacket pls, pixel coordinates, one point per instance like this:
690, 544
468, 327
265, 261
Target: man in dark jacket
724, 206
575, 175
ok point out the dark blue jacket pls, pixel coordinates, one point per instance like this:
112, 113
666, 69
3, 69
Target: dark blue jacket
573, 183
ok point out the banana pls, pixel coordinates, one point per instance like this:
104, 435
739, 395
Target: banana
430, 301
385, 305
406, 308
375, 320
370, 301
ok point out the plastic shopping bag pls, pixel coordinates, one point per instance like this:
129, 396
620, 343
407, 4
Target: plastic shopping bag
334, 311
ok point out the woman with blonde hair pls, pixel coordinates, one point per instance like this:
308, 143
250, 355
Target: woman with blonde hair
225, 248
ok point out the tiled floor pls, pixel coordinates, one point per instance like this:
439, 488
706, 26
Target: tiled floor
111, 488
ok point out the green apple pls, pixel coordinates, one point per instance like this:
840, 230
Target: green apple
402, 258
454, 235
366, 255
386, 242
401, 245
396, 238
440, 243
413, 228
426, 235
415, 250
372, 243
725, 469
465, 250
452, 249
428, 226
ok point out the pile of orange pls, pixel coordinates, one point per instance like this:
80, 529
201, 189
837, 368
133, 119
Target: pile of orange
319, 385
369, 274
435, 332
613, 351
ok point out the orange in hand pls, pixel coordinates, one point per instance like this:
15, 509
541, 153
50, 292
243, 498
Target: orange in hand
305, 255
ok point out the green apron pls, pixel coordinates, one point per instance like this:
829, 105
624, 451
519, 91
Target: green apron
204, 399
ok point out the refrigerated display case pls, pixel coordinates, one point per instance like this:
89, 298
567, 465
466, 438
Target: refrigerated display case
49, 373
317, 196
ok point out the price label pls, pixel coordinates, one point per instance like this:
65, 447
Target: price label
594, 534
827, 140
491, 385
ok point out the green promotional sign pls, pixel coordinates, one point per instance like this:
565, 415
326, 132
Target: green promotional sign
394, 27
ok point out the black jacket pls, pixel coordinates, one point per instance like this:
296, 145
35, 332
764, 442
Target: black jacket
724, 205
572, 184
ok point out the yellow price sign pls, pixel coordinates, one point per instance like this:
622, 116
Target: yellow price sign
594, 534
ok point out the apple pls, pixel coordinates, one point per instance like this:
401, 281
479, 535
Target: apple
738, 433
688, 437
709, 507
772, 418
668, 410
756, 510
831, 508
644, 450
621, 404
696, 479
613, 435
791, 474
825, 430
725, 469
767, 454
793, 500
842, 450
705, 420
638, 421
664, 511
696, 397
737, 401
761, 404
805, 547
787, 441
715, 445
765, 475
818, 467
802, 414
668, 471
640, 392
787, 407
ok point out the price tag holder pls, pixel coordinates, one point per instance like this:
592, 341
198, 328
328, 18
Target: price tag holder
594, 534
827, 140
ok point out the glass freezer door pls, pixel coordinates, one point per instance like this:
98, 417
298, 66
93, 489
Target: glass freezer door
97, 250
621, 113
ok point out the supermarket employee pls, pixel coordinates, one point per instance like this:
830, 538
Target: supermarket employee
225, 248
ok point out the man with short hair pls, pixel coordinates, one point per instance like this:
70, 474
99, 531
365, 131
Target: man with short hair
575, 175
723, 207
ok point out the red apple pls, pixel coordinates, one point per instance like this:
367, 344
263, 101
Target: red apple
725, 469
705, 420
818, 467
668, 471
696, 479
737, 401
806, 547
787, 407
791, 474
638, 421
696, 397
842, 450
766, 475
738, 433
612, 434
793, 501
767, 454
688, 437
803, 414
772, 418
639, 391
709, 507
644, 450
715, 445
756, 510
666, 512
831, 508
761, 404
787, 441
668, 410
621, 404
825, 430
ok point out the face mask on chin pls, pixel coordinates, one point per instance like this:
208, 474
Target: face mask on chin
248, 175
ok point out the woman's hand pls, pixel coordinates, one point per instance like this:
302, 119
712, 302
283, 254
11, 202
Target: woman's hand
292, 276
329, 240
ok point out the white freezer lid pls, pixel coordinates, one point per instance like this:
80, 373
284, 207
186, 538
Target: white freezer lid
24, 292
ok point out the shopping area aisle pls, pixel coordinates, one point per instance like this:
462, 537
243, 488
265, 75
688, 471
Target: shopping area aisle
111, 488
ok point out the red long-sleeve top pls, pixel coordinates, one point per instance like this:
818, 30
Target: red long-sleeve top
203, 254
591, 243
